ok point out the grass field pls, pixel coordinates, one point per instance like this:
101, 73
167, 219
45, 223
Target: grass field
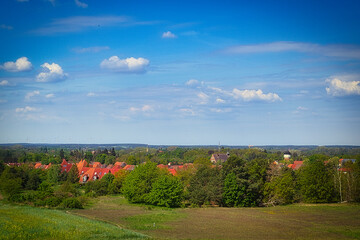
24, 222
325, 221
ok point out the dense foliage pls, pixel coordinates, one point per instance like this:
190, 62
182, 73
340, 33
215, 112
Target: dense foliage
248, 178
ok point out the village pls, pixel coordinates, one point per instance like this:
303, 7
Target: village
95, 170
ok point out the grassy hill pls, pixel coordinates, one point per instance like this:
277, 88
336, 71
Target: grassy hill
24, 222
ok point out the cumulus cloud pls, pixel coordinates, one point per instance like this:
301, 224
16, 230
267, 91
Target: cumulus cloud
192, 82
90, 94
4, 83
25, 109
145, 108
50, 95
7, 27
81, 4
20, 65
250, 95
51, 73
335, 50
168, 34
128, 65
219, 100
342, 87
29, 95
91, 49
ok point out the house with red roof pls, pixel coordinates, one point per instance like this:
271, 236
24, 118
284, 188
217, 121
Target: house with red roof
296, 165
65, 166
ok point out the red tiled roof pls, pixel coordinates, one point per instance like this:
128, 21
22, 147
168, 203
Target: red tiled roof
172, 171
37, 165
297, 164
129, 167
162, 166
66, 167
64, 162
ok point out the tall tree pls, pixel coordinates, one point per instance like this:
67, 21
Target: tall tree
73, 174
316, 183
205, 186
138, 184
166, 191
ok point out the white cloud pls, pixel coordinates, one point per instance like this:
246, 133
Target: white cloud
300, 108
81, 4
50, 95
91, 49
4, 83
29, 95
51, 73
90, 94
336, 50
187, 111
145, 108
250, 95
168, 34
25, 109
339, 87
219, 100
20, 65
204, 98
83, 23
128, 65
4, 26
192, 82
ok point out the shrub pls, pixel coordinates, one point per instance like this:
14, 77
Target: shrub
71, 203
53, 201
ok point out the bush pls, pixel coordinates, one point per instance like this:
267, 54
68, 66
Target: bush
53, 201
18, 198
71, 203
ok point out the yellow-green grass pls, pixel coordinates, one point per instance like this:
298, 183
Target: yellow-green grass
25, 222
298, 221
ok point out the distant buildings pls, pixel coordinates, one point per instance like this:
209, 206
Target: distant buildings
287, 155
219, 157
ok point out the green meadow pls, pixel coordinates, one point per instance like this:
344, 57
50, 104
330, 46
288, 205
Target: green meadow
113, 217
296, 221
25, 222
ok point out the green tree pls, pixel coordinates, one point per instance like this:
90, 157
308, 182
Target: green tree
10, 183
73, 174
54, 174
205, 186
316, 183
281, 189
62, 154
167, 191
119, 178
232, 191
138, 184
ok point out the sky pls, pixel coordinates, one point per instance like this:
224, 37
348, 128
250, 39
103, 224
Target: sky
279, 72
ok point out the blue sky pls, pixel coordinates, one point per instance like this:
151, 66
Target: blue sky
180, 72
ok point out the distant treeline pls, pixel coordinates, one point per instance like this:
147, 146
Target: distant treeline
50, 154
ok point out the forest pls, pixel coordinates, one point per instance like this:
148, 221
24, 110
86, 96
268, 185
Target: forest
253, 177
